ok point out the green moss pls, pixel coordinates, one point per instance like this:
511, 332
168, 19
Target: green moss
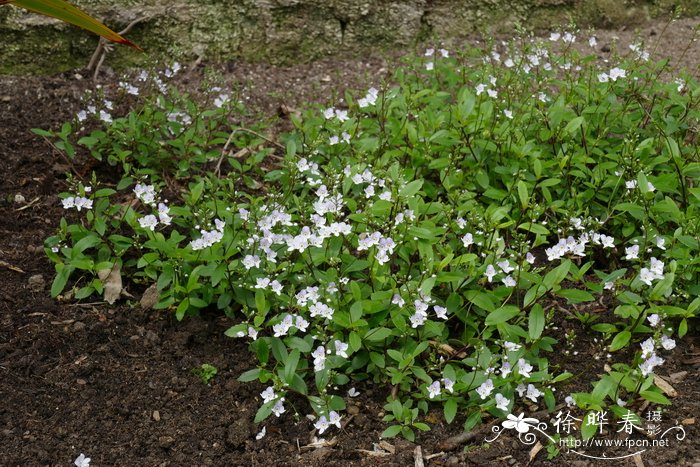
289, 31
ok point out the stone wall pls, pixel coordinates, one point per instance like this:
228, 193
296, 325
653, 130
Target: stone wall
282, 31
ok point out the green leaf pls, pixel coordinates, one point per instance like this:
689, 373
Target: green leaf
620, 340
63, 272
501, 315
411, 189
536, 322
655, 397
250, 375
392, 431
589, 429
573, 125
576, 295
70, 14
450, 410
522, 194
290, 366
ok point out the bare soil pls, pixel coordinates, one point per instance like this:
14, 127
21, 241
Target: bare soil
115, 382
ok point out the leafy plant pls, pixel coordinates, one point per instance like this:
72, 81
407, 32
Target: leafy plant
422, 237
206, 372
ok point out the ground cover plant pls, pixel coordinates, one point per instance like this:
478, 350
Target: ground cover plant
421, 235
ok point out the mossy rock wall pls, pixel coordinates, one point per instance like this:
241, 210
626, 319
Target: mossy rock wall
284, 31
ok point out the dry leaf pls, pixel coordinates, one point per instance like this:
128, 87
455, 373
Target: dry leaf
149, 297
112, 281
665, 386
678, 377
688, 421
535, 450
418, 457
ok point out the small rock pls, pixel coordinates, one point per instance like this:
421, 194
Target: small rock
353, 410
166, 441
78, 326
37, 282
19, 199
156, 415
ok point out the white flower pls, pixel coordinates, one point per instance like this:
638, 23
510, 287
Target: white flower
657, 267
468, 240
333, 140
490, 272
252, 333
485, 389
524, 368
555, 36
533, 393
646, 276
385, 195
276, 287
397, 300
418, 319
251, 261
341, 115
492, 93
82, 461
352, 392
502, 402
616, 73
569, 38
603, 77
592, 42
660, 243
508, 281
434, 389
279, 409
321, 424
440, 311
570, 401
480, 88
668, 343
648, 347
319, 358
654, 320
530, 258
429, 66
444, 53
261, 435
329, 113
268, 395
334, 418
68, 202
508, 113
632, 252
429, 52
505, 266
341, 348
262, 282
511, 346
449, 384
648, 365
148, 222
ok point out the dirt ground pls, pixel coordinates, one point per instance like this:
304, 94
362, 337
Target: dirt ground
115, 382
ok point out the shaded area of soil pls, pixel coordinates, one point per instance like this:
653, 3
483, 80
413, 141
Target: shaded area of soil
116, 383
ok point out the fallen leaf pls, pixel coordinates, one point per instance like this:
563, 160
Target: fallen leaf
149, 297
418, 457
678, 377
688, 421
665, 386
112, 280
535, 450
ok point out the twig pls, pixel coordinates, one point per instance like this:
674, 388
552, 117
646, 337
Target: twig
11, 267
245, 130
29, 205
68, 161
104, 46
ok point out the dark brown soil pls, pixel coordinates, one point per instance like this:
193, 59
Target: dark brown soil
116, 383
